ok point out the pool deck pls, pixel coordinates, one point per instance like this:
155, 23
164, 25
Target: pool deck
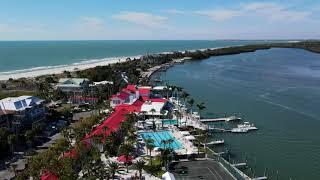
187, 146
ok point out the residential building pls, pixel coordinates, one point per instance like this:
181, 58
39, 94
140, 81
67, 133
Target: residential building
74, 86
78, 90
23, 111
127, 95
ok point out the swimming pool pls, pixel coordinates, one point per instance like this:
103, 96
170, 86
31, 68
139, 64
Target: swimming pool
170, 121
159, 136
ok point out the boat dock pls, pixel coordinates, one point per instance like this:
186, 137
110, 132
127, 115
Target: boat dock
239, 165
231, 118
260, 178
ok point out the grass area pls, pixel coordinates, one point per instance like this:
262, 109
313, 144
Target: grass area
64, 107
156, 167
15, 93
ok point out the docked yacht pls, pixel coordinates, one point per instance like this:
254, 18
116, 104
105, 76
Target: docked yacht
243, 128
248, 126
239, 130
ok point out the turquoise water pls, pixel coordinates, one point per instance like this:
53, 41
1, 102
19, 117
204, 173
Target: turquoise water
170, 121
21, 55
158, 137
277, 90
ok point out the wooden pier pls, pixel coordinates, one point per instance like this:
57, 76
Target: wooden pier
226, 119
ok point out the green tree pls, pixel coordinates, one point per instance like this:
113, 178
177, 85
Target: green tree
191, 103
201, 107
113, 168
139, 165
127, 150
149, 145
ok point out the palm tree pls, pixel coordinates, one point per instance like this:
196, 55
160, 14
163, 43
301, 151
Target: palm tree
179, 89
173, 89
149, 145
164, 142
191, 102
184, 96
153, 119
127, 150
203, 138
153, 111
178, 116
113, 168
200, 107
139, 165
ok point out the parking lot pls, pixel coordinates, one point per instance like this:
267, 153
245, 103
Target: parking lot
208, 169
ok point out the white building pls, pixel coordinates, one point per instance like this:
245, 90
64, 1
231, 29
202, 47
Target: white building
158, 108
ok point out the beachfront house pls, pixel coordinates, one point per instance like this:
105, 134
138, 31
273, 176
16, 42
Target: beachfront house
20, 112
77, 90
127, 95
73, 85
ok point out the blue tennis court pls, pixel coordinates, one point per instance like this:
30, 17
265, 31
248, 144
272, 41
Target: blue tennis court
158, 138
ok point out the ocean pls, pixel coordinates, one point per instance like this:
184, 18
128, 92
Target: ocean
34, 55
277, 90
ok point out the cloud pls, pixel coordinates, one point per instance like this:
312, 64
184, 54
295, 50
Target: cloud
92, 23
275, 12
269, 11
219, 15
143, 19
174, 11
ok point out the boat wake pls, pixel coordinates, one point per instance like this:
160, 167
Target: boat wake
267, 100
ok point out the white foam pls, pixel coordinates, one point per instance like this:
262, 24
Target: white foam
43, 70
84, 64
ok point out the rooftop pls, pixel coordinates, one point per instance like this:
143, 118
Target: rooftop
72, 81
19, 103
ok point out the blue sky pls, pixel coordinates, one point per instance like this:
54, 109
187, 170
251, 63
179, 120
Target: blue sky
159, 19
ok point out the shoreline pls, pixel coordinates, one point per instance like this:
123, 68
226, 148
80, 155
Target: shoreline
83, 65
40, 71
194, 54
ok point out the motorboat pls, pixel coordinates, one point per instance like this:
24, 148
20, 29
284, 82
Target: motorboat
247, 126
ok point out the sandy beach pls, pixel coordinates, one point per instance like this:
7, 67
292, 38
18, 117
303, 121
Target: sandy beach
39, 71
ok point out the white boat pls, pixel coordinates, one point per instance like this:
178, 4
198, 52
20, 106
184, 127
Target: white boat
239, 130
233, 118
216, 142
243, 128
248, 126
